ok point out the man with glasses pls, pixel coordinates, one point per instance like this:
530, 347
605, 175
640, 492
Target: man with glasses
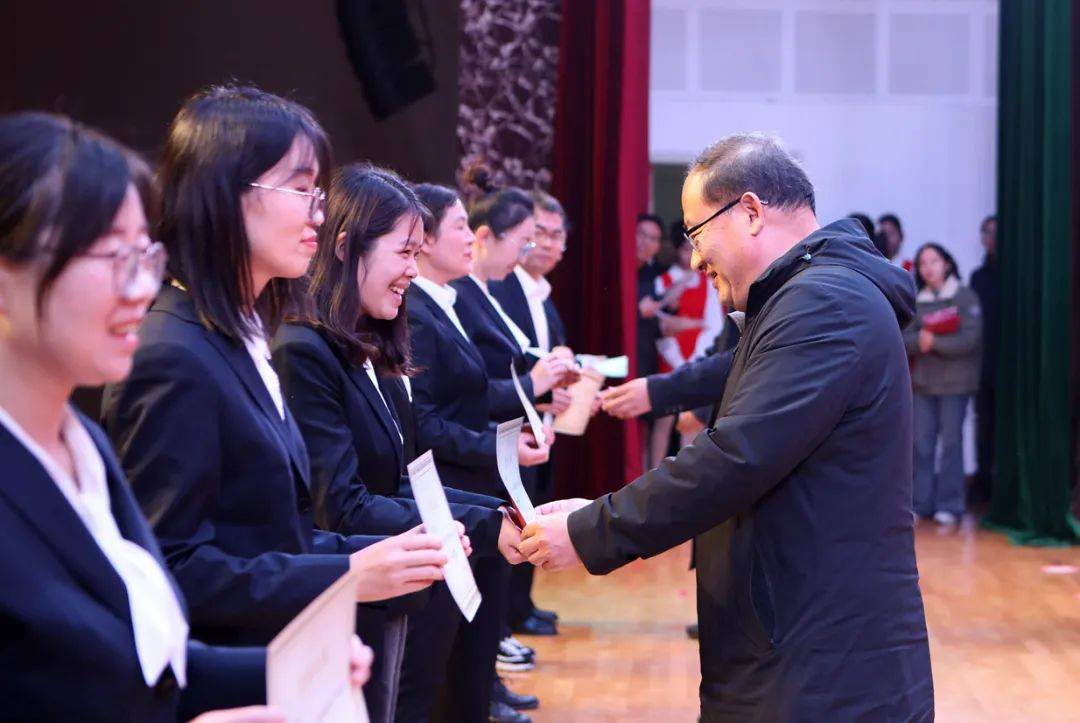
798, 495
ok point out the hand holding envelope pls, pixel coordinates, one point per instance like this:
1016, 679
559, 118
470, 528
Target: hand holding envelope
546, 540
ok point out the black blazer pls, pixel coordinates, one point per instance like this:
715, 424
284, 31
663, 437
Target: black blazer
67, 648
357, 452
450, 398
496, 344
512, 297
221, 478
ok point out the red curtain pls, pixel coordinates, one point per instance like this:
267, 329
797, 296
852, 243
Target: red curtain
601, 175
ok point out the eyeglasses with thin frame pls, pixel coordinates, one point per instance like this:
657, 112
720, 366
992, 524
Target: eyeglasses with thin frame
128, 260
526, 250
689, 233
317, 196
556, 236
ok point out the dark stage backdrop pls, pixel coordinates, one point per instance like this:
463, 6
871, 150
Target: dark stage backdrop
601, 173
125, 66
1037, 240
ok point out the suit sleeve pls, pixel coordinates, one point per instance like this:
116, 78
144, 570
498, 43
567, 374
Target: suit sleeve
792, 394
163, 422
449, 440
221, 678
697, 384
503, 401
341, 501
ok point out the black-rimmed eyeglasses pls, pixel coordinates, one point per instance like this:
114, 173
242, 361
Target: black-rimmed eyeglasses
689, 233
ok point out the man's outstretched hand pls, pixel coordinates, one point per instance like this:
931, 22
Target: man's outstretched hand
546, 541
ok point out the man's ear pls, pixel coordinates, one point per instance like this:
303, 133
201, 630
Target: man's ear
754, 208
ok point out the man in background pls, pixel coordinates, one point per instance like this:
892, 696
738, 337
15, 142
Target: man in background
984, 282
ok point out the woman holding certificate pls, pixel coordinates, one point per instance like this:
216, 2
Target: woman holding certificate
212, 453
94, 628
336, 362
451, 400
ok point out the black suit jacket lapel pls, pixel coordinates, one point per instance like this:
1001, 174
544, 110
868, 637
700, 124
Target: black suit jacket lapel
516, 306
361, 381
556, 329
125, 510
239, 360
29, 489
449, 330
478, 297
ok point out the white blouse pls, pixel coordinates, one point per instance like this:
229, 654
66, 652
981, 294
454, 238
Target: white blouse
260, 354
158, 622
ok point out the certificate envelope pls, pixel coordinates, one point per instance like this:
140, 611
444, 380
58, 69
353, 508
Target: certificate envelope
530, 410
435, 512
506, 454
307, 664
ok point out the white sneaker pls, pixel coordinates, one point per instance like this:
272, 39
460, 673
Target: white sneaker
945, 518
519, 646
511, 660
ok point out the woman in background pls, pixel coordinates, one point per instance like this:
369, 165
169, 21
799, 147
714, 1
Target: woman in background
944, 341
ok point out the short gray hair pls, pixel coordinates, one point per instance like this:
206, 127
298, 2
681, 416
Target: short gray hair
753, 162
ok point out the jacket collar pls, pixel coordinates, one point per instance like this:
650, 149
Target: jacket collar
469, 288
173, 301
948, 291
516, 304
359, 377
29, 489
448, 328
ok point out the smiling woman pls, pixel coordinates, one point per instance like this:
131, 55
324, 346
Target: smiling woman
235, 248
366, 261
77, 273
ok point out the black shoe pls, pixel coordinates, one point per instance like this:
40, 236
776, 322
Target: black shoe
550, 615
536, 626
692, 631
501, 694
502, 713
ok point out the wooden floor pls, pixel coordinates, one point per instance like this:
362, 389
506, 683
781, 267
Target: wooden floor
1004, 635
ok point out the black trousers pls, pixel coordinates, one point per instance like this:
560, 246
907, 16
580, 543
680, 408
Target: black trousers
449, 666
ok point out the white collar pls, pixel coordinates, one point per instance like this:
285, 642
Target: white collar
539, 289
443, 294
159, 628
948, 291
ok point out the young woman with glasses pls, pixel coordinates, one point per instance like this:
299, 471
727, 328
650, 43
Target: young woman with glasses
102, 632
211, 450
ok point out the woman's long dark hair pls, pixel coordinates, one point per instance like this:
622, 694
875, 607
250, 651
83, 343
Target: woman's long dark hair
61, 184
222, 139
364, 203
951, 269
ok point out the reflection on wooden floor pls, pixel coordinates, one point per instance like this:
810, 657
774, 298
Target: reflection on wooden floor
1005, 636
